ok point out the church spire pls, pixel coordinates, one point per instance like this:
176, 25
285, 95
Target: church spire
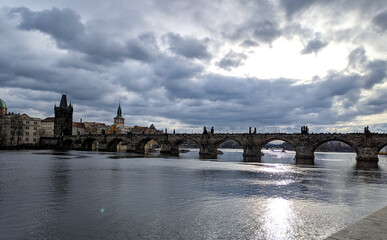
119, 111
119, 120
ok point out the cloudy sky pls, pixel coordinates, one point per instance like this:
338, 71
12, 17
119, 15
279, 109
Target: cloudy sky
270, 64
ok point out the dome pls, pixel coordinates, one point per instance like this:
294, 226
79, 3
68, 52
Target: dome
2, 104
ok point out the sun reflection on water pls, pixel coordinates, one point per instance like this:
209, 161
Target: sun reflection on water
279, 219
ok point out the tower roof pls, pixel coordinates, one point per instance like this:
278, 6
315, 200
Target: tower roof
2, 104
63, 101
119, 111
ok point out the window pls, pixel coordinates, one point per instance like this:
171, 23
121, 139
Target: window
28, 122
27, 127
27, 139
35, 123
34, 140
35, 128
34, 133
27, 133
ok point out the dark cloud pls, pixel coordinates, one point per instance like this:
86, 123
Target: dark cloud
266, 31
138, 50
314, 46
65, 27
380, 21
171, 68
232, 60
189, 47
357, 58
63, 24
294, 6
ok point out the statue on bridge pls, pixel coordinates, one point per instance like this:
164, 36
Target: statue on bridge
367, 130
304, 130
204, 130
212, 130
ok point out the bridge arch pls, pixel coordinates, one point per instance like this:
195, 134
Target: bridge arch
176, 145
140, 146
272, 139
381, 146
233, 148
112, 145
90, 144
335, 145
277, 150
219, 142
180, 141
334, 140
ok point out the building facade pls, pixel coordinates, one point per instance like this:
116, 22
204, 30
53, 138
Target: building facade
63, 122
146, 130
17, 130
78, 128
95, 128
48, 127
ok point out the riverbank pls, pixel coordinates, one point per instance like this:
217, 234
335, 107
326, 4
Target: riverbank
373, 226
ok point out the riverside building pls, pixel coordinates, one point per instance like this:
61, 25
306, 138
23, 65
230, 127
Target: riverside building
18, 130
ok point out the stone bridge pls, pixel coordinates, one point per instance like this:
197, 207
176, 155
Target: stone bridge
366, 145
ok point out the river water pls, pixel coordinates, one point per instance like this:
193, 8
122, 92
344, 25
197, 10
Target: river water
92, 195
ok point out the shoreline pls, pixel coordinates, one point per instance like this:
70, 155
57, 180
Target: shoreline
373, 226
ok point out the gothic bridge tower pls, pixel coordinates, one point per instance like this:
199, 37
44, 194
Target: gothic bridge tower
63, 123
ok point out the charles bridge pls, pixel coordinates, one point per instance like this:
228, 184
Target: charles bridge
367, 145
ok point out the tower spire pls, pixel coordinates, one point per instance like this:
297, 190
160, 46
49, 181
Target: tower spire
119, 120
119, 111
63, 101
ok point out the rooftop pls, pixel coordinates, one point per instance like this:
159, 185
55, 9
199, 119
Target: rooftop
2, 104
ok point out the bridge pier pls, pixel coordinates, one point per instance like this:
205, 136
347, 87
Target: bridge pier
168, 148
252, 153
77, 144
304, 154
367, 157
131, 147
95, 146
208, 151
102, 146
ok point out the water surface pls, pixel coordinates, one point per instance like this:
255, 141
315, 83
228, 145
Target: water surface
91, 195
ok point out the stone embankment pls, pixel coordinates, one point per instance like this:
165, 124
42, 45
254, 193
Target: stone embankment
372, 227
